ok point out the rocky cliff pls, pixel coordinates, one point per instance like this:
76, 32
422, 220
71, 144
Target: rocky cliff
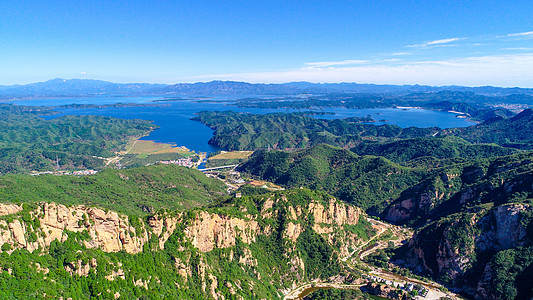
459, 249
38, 227
249, 233
451, 189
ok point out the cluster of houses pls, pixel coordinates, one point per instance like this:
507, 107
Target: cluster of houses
408, 286
186, 162
84, 172
76, 173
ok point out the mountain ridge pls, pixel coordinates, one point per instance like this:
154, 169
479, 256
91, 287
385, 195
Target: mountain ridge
86, 87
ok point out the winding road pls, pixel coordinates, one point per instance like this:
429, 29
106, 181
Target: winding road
377, 274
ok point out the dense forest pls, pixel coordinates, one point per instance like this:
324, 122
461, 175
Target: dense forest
472, 210
447, 149
369, 182
237, 131
514, 132
234, 131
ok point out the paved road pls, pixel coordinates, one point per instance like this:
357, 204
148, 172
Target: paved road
397, 280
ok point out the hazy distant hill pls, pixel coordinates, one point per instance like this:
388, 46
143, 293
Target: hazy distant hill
84, 87
75, 87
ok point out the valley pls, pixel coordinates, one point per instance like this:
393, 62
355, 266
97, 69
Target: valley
297, 205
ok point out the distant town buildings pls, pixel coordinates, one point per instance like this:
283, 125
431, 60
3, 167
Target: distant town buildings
185, 162
75, 173
84, 172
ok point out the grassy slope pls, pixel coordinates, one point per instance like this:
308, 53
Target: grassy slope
132, 191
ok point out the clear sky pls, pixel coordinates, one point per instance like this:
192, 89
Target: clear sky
437, 42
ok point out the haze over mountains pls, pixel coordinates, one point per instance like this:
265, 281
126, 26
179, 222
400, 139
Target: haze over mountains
88, 87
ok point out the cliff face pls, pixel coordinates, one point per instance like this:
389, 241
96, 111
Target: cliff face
422, 200
450, 190
247, 231
50, 221
458, 249
210, 231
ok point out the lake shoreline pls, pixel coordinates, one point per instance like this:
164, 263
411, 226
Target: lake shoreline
176, 126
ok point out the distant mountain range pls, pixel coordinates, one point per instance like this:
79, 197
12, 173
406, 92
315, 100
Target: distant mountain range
75, 87
87, 87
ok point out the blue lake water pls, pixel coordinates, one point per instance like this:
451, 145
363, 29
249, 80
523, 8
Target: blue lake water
176, 126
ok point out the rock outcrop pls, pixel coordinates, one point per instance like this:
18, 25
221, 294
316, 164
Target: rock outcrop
111, 232
449, 191
255, 246
208, 231
449, 249
107, 230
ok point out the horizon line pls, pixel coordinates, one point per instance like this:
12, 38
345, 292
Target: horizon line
263, 83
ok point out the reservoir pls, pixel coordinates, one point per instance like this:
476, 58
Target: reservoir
173, 116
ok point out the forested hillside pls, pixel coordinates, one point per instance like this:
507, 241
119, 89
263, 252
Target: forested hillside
252, 247
235, 131
431, 149
474, 212
487, 250
30, 143
137, 191
368, 182
455, 188
512, 132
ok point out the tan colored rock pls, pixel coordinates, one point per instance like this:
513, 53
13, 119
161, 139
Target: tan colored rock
156, 224
292, 213
183, 270
140, 282
336, 213
293, 231
213, 286
9, 209
170, 225
78, 268
5, 233
247, 258
211, 230
266, 210
114, 274
509, 229
322, 229
18, 231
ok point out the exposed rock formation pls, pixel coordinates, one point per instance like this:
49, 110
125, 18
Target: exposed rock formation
208, 231
107, 230
236, 230
449, 249
112, 232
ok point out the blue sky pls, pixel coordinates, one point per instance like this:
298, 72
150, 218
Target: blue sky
469, 43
